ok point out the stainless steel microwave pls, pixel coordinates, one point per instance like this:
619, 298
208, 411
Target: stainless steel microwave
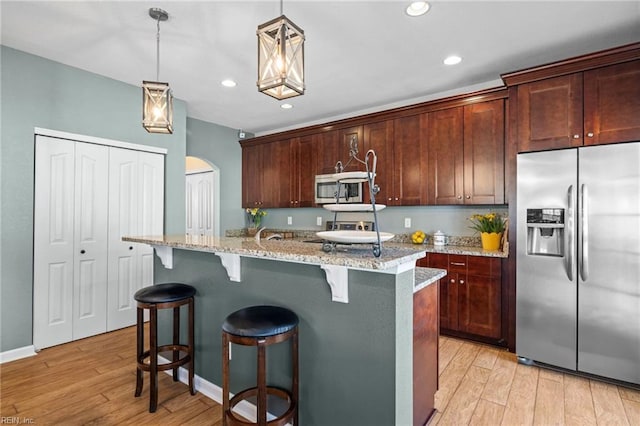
326, 188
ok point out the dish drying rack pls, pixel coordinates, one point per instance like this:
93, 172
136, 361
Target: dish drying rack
333, 238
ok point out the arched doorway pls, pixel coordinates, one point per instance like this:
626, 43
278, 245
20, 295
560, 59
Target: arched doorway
202, 195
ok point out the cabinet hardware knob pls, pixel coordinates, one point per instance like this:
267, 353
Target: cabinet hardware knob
82, 252
576, 136
130, 247
396, 198
459, 197
468, 197
453, 281
590, 134
461, 281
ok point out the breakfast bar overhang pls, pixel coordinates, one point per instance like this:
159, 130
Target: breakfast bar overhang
368, 326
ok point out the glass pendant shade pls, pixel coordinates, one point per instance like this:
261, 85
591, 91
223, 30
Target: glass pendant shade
280, 58
157, 107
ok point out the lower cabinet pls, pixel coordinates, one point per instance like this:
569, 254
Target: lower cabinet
470, 296
425, 353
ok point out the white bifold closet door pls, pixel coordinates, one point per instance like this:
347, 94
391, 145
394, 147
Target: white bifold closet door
70, 241
136, 203
87, 197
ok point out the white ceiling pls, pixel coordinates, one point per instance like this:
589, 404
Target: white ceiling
361, 56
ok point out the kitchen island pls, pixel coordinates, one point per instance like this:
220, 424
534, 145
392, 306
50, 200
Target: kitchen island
368, 326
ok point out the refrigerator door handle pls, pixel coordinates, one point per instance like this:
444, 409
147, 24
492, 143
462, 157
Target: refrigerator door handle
569, 244
584, 240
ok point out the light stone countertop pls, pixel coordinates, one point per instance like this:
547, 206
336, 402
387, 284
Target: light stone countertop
358, 256
426, 276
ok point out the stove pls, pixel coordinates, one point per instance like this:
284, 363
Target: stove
360, 225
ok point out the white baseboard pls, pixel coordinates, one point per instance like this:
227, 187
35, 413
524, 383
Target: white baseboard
17, 353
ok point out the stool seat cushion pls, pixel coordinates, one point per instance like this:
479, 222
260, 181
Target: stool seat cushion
164, 293
260, 321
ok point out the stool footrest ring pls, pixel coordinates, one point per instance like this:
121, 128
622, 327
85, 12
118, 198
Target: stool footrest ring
281, 420
169, 365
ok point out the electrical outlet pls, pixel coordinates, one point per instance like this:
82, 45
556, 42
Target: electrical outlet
407, 222
319, 221
289, 220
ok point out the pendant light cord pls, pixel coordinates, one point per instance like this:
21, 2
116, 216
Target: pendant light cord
158, 50
281, 7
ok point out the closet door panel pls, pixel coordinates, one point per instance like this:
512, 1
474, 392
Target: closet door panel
53, 242
124, 268
90, 225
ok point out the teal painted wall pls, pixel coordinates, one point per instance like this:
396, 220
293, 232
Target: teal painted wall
219, 146
37, 92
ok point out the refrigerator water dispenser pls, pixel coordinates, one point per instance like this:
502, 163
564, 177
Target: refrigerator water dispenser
545, 232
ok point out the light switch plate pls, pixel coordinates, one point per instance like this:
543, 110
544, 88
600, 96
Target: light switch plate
319, 221
407, 222
289, 220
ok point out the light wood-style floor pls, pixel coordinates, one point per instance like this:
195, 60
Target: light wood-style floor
92, 381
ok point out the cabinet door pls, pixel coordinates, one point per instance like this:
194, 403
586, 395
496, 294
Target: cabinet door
53, 242
328, 151
251, 176
448, 292
90, 228
446, 156
550, 113
354, 134
484, 153
304, 171
276, 181
410, 160
379, 137
480, 299
612, 104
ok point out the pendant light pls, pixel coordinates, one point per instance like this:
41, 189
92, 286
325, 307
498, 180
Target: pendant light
157, 100
280, 58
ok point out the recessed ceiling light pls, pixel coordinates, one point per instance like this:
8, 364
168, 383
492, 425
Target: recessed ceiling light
452, 60
286, 106
417, 8
228, 83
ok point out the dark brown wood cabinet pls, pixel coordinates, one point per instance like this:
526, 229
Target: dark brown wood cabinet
466, 154
327, 149
612, 104
470, 295
585, 108
410, 156
302, 177
425, 353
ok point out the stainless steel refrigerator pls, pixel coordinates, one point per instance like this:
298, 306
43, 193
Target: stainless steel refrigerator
578, 260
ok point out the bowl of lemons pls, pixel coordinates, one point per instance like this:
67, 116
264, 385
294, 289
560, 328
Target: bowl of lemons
418, 237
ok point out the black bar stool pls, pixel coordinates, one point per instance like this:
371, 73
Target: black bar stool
260, 326
163, 296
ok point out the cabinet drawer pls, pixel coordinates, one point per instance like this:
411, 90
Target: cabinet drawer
458, 263
484, 266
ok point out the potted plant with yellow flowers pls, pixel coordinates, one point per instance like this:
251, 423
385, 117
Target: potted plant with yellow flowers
255, 218
491, 227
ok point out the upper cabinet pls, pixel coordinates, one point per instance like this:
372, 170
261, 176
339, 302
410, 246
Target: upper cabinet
612, 104
589, 100
466, 154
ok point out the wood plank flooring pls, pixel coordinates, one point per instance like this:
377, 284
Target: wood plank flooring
91, 382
